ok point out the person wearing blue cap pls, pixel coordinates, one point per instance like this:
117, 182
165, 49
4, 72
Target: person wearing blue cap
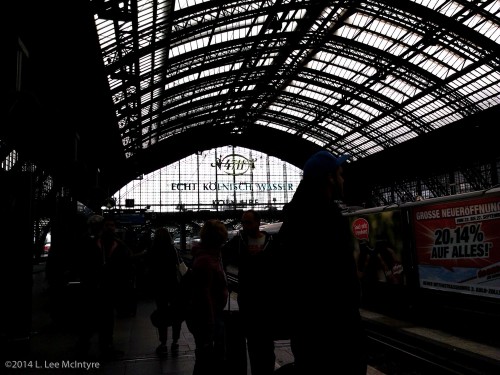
320, 289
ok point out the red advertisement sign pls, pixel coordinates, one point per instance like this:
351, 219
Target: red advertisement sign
458, 245
378, 247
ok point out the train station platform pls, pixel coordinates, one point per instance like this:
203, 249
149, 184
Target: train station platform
135, 336
51, 349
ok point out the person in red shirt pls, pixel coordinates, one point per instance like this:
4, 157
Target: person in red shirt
210, 295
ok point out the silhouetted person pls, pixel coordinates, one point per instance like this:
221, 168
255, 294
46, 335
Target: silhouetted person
105, 268
162, 264
210, 295
320, 274
249, 252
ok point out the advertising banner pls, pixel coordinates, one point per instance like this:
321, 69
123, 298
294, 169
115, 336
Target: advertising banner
378, 247
458, 245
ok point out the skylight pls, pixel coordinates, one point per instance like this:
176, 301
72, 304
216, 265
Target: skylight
395, 70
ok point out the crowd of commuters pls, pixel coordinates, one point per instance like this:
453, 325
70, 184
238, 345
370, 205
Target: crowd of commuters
276, 288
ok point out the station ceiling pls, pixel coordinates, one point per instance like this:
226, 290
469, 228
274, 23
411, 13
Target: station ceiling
113, 89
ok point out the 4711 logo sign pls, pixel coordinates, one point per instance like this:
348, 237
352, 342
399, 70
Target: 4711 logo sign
234, 164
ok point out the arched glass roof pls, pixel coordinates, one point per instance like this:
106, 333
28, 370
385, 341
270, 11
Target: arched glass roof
354, 77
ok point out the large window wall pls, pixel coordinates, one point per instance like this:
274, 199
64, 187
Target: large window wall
219, 179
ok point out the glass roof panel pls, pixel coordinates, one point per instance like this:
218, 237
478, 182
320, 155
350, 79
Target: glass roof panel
181, 4
373, 67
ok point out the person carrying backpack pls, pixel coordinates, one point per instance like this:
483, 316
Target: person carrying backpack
162, 263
